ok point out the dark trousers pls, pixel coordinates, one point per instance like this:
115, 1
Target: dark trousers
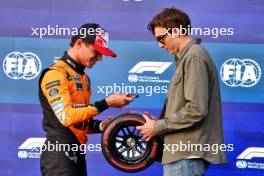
63, 164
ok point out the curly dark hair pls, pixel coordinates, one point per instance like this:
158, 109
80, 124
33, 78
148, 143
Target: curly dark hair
170, 18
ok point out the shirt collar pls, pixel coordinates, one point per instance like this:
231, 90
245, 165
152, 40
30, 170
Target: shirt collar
185, 49
73, 64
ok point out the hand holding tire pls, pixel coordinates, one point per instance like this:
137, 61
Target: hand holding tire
148, 128
123, 145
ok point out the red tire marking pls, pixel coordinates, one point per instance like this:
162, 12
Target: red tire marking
128, 168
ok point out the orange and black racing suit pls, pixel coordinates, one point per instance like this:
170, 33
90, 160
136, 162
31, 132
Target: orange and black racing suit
64, 93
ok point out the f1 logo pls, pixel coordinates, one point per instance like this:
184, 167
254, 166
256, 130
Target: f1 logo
32, 144
157, 67
252, 152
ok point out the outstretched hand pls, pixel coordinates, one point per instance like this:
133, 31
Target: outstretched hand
148, 128
118, 100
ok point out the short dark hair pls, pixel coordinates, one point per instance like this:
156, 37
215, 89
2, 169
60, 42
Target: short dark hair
84, 32
170, 18
73, 40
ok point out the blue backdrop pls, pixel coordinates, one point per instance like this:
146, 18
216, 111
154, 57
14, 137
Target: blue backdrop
126, 20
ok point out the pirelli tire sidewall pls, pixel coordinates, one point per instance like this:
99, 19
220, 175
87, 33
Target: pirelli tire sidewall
149, 157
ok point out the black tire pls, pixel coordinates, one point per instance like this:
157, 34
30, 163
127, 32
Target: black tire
123, 146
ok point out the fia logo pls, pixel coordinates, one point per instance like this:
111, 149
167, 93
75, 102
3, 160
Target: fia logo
245, 73
19, 65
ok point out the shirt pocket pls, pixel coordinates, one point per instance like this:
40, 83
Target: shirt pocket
175, 86
176, 80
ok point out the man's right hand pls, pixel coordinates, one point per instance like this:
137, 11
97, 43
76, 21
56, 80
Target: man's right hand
118, 100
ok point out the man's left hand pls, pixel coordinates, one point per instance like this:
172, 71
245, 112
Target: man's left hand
148, 128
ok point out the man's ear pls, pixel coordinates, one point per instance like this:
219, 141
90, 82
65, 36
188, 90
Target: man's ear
78, 43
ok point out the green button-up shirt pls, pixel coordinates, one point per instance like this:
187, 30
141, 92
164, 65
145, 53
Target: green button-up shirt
193, 115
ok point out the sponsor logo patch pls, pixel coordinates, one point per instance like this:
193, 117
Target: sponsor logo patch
55, 100
52, 84
53, 92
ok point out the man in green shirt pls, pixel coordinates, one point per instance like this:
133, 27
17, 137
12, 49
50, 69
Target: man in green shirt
191, 122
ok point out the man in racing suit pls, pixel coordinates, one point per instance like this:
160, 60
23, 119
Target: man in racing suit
64, 93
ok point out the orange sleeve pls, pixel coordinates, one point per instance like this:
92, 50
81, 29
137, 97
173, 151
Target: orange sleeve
55, 88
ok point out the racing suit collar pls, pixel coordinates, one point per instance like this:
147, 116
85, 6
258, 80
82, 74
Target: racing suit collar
73, 64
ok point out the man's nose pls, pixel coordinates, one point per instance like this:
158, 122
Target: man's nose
161, 45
